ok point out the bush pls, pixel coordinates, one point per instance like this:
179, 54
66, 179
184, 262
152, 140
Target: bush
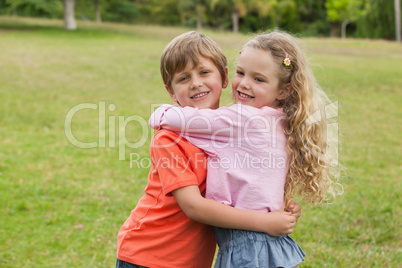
119, 11
32, 8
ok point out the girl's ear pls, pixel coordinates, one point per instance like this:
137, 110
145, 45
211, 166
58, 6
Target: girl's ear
172, 95
226, 82
285, 91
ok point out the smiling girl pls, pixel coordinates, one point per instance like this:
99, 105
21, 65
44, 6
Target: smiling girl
276, 97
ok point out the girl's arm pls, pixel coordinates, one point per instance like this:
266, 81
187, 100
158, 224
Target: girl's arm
211, 212
193, 121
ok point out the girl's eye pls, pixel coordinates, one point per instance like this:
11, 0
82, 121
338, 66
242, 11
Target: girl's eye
240, 73
259, 79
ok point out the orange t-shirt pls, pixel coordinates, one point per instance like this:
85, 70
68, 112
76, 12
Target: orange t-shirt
158, 233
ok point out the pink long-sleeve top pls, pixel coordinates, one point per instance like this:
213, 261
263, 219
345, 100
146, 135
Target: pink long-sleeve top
246, 147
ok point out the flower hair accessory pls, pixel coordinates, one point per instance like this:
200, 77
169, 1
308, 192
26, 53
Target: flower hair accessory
286, 61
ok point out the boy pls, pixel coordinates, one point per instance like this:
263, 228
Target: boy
170, 225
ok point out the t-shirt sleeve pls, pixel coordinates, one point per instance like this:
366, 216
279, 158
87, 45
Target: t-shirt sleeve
169, 157
194, 121
156, 117
205, 128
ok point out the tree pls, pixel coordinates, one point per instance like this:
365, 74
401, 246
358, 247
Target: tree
160, 11
265, 7
280, 10
398, 20
272, 14
190, 9
238, 9
312, 18
69, 15
337, 11
36, 8
344, 12
377, 20
98, 15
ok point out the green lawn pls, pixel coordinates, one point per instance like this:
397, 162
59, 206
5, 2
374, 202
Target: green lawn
62, 206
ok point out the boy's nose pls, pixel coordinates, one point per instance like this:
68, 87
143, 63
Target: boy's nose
196, 84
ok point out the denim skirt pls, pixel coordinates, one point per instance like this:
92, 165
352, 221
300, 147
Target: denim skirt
247, 249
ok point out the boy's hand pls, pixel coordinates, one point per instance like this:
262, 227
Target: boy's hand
295, 208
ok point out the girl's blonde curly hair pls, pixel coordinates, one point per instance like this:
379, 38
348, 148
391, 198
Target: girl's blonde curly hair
314, 170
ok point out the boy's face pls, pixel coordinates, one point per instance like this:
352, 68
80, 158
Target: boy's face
198, 86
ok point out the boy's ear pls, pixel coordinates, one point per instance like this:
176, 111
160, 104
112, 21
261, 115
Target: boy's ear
226, 82
285, 91
172, 96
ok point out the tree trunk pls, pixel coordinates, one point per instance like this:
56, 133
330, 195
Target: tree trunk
199, 23
98, 12
235, 20
398, 20
69, 17
199, 17
334, 30
276, 23
344, 24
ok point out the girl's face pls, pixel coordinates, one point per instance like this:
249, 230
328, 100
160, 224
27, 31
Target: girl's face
256, 82
198, 86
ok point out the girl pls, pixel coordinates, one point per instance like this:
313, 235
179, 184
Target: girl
263, 149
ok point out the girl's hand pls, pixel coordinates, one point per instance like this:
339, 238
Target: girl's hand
295, 208
280, 223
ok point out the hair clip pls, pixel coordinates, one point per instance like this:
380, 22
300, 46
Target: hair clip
286, 61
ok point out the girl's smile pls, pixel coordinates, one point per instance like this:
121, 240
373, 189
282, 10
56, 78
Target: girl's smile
244, 96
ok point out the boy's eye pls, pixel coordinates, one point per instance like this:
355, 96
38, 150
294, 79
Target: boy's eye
240, 73
204, 72
183, 78
259, 79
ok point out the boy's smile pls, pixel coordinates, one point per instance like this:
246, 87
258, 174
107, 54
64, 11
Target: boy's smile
200, 95
198, 86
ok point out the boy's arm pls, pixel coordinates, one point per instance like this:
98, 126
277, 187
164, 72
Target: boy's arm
211, 212
295, 208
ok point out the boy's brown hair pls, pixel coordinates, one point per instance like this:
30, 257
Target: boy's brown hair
187, 48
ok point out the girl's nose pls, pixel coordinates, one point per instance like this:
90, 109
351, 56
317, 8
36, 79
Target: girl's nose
244, 84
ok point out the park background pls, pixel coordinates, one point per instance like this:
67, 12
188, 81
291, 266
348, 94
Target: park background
62, 205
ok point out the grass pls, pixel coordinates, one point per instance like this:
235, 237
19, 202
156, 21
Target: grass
62, 206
